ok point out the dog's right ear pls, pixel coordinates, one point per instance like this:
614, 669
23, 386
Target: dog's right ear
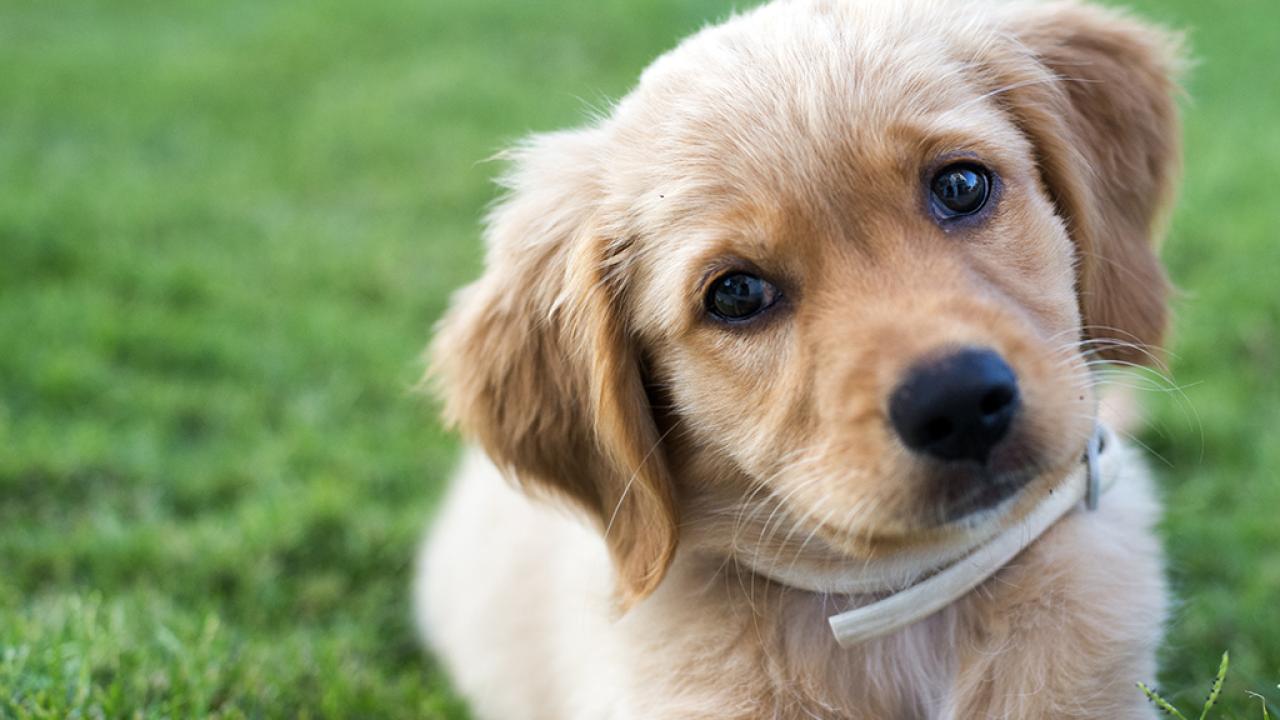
533, 361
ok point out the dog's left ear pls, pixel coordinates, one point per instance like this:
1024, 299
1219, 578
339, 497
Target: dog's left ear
1094, 91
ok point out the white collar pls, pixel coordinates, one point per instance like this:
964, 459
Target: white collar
975, 563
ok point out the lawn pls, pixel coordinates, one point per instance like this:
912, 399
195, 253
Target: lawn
225, 231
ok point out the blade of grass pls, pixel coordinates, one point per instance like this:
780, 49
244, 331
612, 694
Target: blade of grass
1160, 702
1216, 689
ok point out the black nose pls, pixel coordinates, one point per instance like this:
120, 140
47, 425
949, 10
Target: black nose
957, 407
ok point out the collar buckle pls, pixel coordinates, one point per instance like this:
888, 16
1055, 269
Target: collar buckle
1093, 489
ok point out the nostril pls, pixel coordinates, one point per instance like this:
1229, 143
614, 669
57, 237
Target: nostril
996, 400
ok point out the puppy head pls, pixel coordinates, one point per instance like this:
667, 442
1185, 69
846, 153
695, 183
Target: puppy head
839, 265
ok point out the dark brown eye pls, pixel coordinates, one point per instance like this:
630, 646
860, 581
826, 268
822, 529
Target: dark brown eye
961, 189
738, 296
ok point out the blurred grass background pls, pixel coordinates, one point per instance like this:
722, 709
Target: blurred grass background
225, 231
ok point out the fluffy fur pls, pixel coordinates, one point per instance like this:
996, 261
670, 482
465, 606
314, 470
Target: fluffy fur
676, 464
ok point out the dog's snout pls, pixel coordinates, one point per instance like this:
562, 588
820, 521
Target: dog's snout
957, 407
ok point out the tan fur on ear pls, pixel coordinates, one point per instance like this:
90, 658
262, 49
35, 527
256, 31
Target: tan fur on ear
533, 362
1094, 91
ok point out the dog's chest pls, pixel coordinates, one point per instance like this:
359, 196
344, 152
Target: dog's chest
772, 653
904, 675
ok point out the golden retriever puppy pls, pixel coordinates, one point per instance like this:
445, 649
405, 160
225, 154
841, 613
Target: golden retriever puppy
815, 304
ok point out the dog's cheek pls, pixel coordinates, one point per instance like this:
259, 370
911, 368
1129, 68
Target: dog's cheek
724, 393
1028, 261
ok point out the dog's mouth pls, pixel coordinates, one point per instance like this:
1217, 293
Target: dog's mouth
967, 493
970, 500
981, 502
970, 494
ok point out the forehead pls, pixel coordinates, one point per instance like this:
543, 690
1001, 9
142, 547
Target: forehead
836, 74
808, 97
792, 119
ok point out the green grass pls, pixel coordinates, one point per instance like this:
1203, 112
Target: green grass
225, 231
1210, 700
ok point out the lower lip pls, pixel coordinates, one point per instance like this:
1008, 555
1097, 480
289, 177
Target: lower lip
988, 500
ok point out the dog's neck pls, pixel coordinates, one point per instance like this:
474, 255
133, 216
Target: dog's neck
759, 623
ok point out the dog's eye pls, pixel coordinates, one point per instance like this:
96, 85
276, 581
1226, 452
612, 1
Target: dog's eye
961, 189
738, 296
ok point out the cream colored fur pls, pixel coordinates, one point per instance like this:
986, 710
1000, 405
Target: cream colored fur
515, 598
641, 470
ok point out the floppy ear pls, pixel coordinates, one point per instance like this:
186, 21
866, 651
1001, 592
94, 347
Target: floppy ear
533, 362
1093, 89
